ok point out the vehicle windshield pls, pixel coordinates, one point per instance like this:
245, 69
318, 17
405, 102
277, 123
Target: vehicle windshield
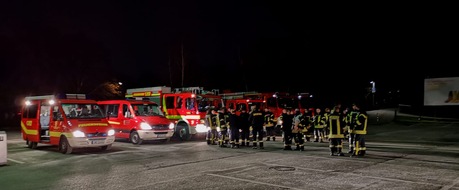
82, 111
206, 103
289, 103
147, 110
257, 104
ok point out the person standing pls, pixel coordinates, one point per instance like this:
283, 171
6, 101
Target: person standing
326, 129
223, 124
269, 125
244, 128
319, 122
256, 119
287, 122
305, 126
213, 123
336, 127
359, 131
296, 131
352, 122
234, 128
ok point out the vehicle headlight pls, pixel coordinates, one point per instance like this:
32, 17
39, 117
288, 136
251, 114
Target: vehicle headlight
144, 125
78, 133
171, 126
200, 128
111, 132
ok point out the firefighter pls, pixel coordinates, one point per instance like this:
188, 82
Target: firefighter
287, 122
336, 126
256, 119
223, 123
326, 114
346, 123
212, 123
351, 119
319, 122
234, 128
359, 132
297, 134
269, 124
244, 127
305, 126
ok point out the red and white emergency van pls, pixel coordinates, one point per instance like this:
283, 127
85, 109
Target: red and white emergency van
179, 107
137, 120
69, 121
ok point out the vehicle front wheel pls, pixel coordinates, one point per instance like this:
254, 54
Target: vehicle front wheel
135, 138
64, 146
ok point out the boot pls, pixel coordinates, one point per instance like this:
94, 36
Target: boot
243, 143
222, 145
268, 139
333, 151
340, 153
254, 145
274, 138
233, 145
287, 147
297, 147
237, 145
247, 144
351, 150
261, 145
301, 148
208, 141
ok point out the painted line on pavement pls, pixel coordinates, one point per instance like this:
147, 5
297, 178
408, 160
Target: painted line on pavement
17, 161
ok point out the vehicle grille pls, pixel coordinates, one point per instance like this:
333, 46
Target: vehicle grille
97, 134
160, 127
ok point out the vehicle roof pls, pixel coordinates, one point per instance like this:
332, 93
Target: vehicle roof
126, 102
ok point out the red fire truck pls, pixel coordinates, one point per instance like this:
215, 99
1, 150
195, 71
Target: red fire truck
69, 121
243, 101
137, 120
179, 107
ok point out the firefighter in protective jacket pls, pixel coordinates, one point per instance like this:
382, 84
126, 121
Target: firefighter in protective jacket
359, 132
336, 128
256, 119
269, 125
212, 123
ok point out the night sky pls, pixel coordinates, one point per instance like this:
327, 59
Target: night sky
334, 53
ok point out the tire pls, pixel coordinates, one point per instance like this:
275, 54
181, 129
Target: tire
135, 138
106, 147
182, 132
34, 145
64, 146
29, 144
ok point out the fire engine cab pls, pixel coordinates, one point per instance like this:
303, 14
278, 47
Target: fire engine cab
243, 101
179, 107
68, 121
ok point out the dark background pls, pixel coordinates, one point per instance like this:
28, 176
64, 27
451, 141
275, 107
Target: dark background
330, 51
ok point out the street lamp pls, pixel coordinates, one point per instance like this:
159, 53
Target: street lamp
373, 91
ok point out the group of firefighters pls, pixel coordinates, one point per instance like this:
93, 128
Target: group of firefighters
335, 125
